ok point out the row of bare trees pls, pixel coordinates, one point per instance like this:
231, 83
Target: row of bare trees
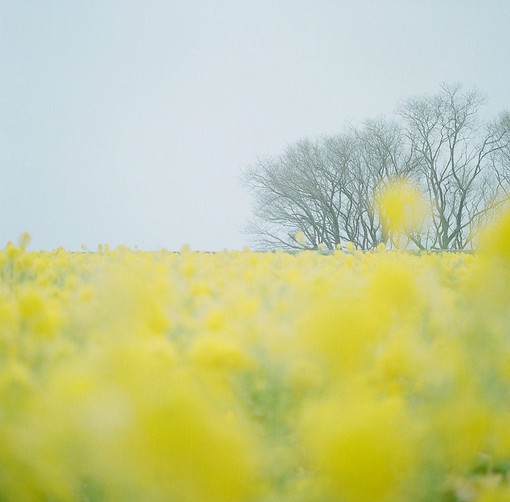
325, 189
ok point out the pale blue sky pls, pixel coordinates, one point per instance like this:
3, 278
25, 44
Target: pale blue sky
130, 121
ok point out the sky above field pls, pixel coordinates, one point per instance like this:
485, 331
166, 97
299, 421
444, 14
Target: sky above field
129, 122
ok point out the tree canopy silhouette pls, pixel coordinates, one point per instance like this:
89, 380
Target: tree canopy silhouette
322, 192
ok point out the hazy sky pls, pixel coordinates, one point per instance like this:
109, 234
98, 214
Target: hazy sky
130, 121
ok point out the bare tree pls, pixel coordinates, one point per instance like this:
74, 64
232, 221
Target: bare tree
326, 189
322, 192
296, 192
382, 156
500, 158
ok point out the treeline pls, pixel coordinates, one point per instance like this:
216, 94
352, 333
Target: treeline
321, 193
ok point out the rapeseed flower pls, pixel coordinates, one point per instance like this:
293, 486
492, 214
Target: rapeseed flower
257, 377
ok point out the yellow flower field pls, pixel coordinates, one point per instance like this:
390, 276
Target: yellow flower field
257, 377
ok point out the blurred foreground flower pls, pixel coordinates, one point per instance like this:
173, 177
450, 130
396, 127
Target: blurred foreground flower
402, 209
